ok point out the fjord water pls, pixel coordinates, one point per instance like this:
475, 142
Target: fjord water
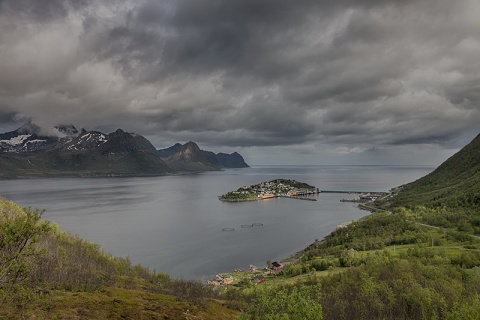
174, 223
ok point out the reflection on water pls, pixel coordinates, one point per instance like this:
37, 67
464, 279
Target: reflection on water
174, 223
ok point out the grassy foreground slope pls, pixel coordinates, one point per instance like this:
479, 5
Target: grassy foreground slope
48, 274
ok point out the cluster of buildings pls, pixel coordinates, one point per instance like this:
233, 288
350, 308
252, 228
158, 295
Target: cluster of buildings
221, 280
257, 278
276, 188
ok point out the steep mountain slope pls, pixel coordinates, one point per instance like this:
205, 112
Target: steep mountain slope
454, 184
189, 157
122, 142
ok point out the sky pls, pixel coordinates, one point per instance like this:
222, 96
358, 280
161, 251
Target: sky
282, 82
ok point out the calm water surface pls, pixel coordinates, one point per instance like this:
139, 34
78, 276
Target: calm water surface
174, 223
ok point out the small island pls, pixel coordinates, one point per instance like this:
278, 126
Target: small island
271, 189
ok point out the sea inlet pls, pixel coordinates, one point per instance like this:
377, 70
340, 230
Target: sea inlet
174, 223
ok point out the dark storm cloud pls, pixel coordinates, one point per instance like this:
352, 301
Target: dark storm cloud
252, 72
40, 10
465, 93
205, 36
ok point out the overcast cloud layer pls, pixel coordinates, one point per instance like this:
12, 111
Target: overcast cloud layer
312, 80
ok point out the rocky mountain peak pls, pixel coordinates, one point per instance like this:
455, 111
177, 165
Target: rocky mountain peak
191, 146
190, 154
68, 130
124, 142
190, 151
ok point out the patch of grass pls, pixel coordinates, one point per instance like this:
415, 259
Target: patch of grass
119, 303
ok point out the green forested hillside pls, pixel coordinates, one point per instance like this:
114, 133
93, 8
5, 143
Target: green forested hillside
454, 184
448, 197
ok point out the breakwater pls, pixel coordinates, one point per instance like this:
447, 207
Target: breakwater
299, 198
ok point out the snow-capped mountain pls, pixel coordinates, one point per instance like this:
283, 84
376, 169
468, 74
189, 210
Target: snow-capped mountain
88, 140
66, 151
29, 138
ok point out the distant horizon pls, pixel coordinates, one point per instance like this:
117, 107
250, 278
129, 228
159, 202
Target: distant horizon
262, 156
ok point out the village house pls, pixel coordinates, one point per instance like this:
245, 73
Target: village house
258, 279
276, 266
228, 281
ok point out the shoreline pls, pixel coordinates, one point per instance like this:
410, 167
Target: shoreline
238, 200
284, 261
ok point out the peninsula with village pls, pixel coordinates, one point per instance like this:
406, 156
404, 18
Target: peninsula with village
272, 189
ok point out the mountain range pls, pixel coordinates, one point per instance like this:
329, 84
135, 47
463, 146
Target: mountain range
29, 152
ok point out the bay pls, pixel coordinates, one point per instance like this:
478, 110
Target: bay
174, 223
